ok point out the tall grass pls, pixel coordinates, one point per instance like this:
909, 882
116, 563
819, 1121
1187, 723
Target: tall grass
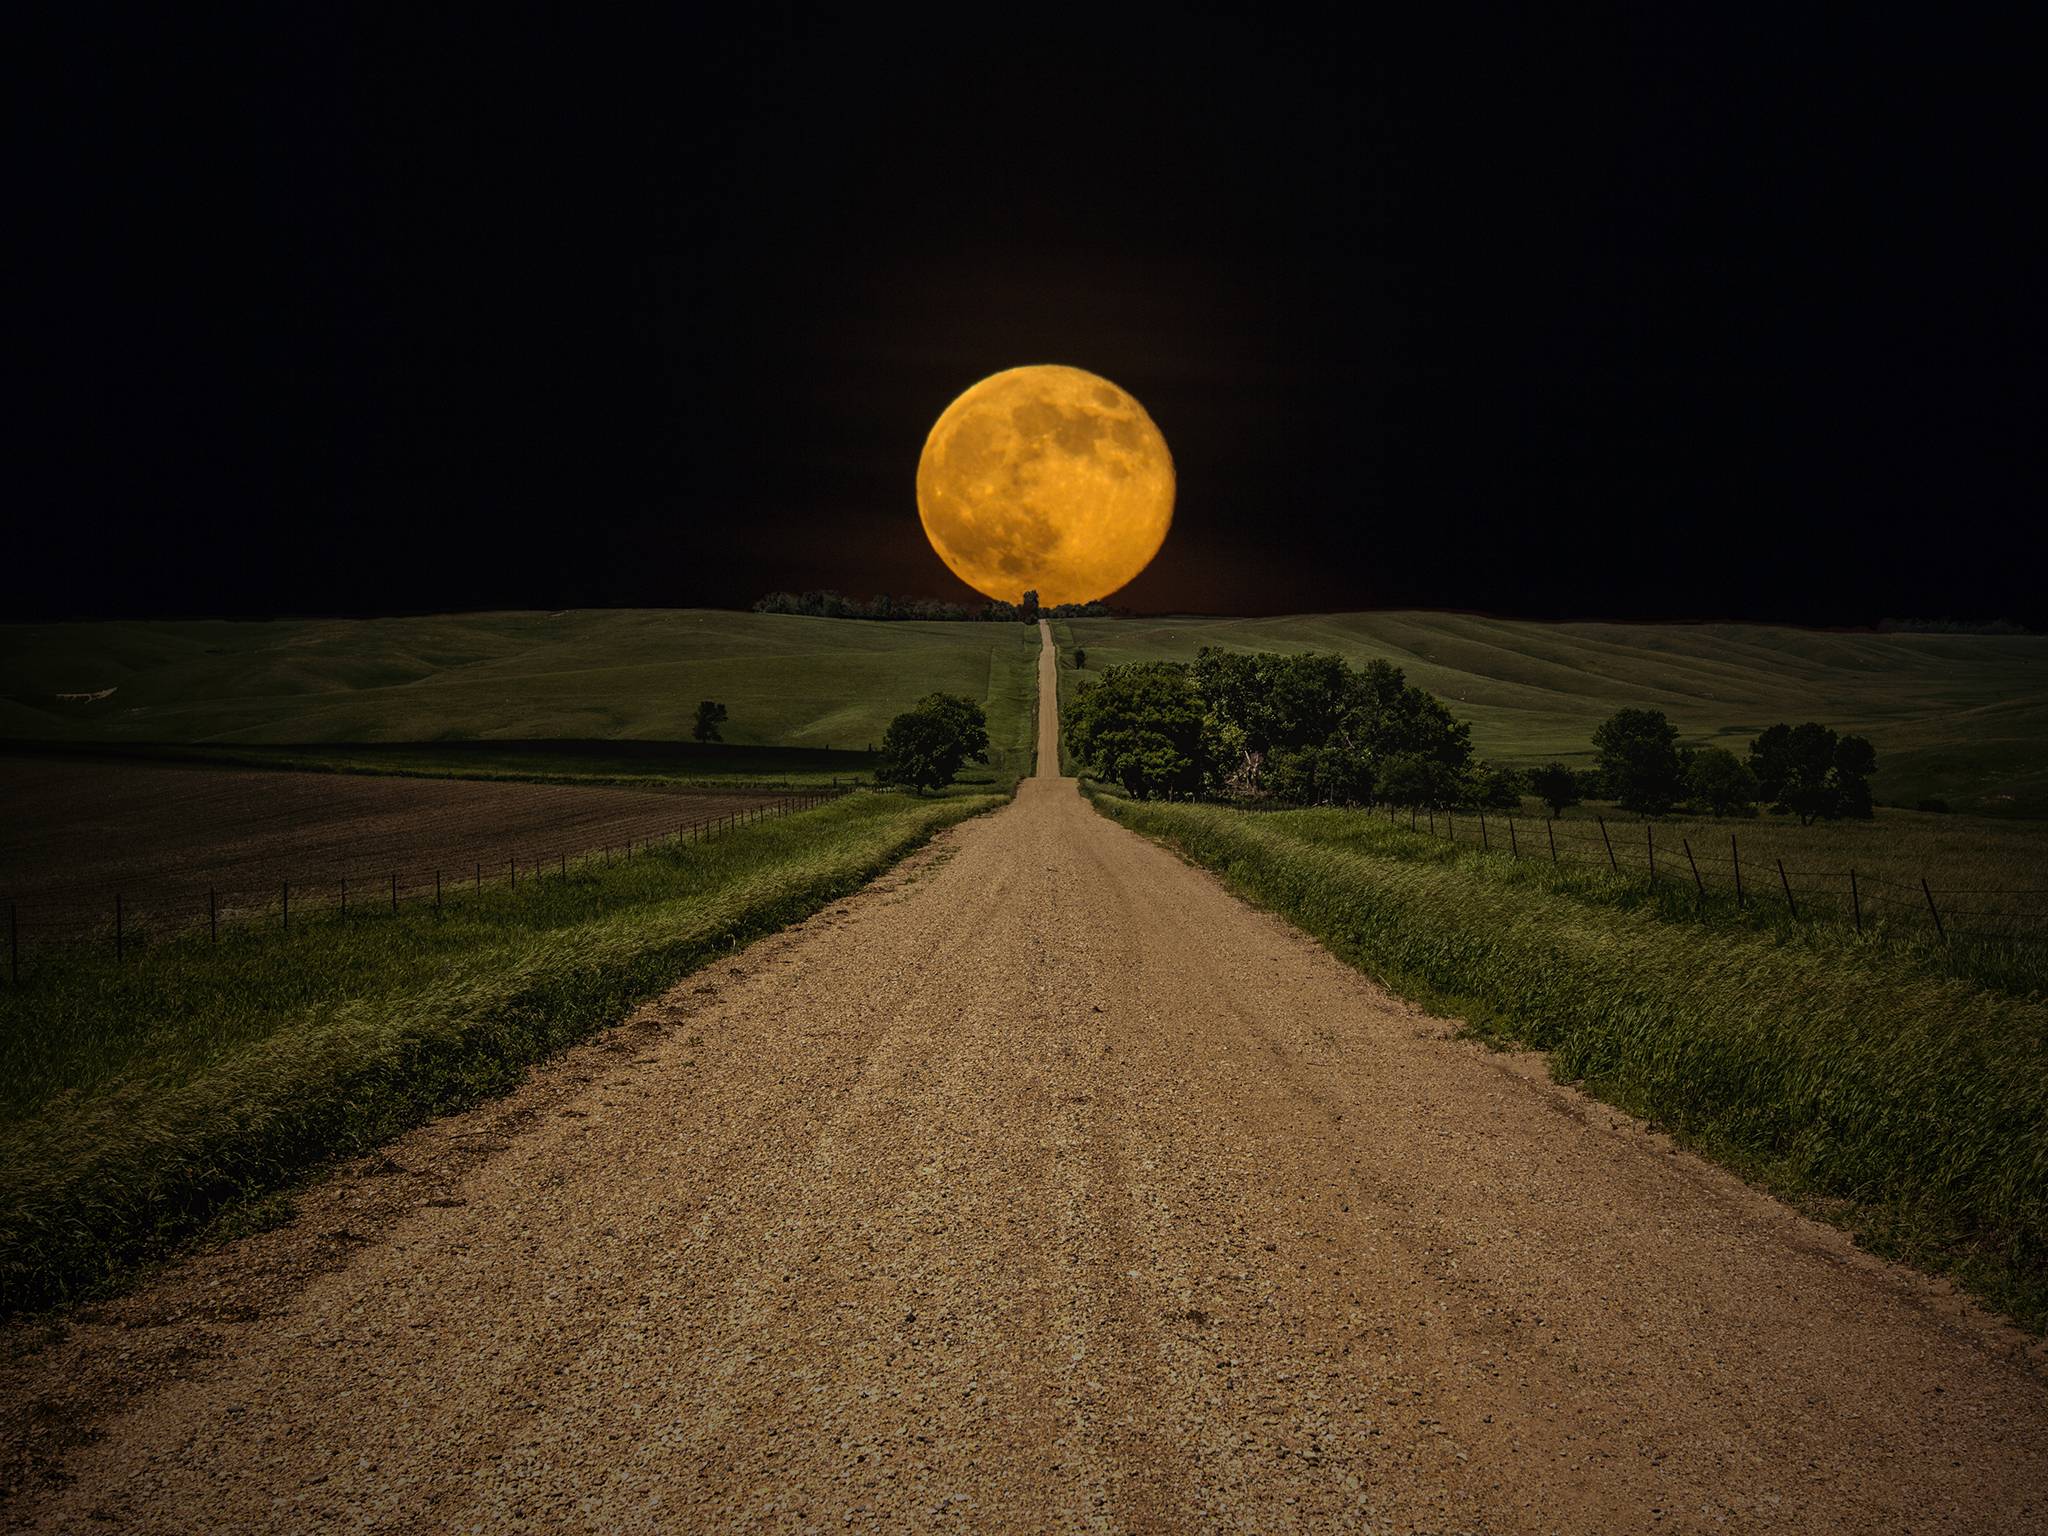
136, 1100
1909, 1105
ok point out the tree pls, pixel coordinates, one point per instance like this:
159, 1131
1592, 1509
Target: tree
1556, 786
1080, 657
1028, 609
1141, 726
1491, 787
1638, 751
1719, 780
1811, 772
1407, 778
925, 746
710, 716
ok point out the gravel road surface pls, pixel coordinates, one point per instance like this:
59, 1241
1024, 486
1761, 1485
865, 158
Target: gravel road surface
1041, 1186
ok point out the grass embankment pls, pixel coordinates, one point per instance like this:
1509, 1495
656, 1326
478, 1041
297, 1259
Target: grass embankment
1909, 1105
138, 1101
1960, 718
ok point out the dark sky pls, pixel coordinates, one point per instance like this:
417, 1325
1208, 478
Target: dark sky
338, 309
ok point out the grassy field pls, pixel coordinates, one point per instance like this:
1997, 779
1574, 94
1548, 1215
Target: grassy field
1960, 718
1859, 1077
530, 683
139, 1100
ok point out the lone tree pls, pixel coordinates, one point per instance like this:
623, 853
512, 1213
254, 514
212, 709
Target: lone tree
1813, 773
1028, 609
925, 746
1639, 759
1556, 786
710, 716
1718, 780
1080, 657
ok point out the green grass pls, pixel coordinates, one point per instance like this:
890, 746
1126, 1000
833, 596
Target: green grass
1960, 718
138, 1101
581, 676
1909, 1104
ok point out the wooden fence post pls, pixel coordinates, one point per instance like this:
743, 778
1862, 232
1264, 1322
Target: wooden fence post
117, 925
1550, 828
1789, 904
1931, 907
437, 890
1735, 852
1650, 842
13, 947
1514, 848
1686, 844
212, 916
1484, 845
1855, 899
394, 890
1610, 844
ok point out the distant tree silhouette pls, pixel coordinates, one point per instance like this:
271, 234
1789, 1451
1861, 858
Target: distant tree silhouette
1556, 786
1640, 760
710, 716
1719, 780
1080, 657
1028, 609
1812, 773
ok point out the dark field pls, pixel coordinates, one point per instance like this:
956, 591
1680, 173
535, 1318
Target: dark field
161, 834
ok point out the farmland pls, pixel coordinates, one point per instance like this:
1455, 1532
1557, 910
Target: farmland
1957, 718
164, 835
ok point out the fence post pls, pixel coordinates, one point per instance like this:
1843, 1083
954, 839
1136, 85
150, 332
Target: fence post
1931, 907
1514, 848
1855, 899
565, 863
394, 890
479, 876
1450, 825
1484, 845
437, 890
1650, 842
513, 865
1610, 845
1550, 827
13, 947
117, 925
1789, 904
1735, 851
212, 916
1411, 818
1686, 844
1432, 821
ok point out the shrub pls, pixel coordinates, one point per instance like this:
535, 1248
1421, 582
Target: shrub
925, 746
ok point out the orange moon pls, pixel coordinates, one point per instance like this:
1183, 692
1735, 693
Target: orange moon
1045, 479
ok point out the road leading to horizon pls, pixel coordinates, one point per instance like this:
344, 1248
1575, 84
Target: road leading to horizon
1044, 1185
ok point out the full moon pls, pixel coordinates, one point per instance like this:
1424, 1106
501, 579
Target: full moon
1045, 479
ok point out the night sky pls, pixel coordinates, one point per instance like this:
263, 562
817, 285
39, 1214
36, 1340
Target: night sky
339, 310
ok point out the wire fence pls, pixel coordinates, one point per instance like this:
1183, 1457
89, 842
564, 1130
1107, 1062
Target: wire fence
125, 921
1719, 876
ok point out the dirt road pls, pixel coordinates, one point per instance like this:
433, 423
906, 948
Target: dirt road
1044, 1186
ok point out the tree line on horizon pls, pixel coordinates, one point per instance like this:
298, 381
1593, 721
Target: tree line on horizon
826, 604
1311, 729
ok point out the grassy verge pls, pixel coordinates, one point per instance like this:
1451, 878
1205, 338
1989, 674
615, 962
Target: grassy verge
1907, 1105
137, 1101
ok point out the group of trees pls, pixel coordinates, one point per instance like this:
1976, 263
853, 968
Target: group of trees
1307, 729
1808, 771
1314, 730
832, 605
